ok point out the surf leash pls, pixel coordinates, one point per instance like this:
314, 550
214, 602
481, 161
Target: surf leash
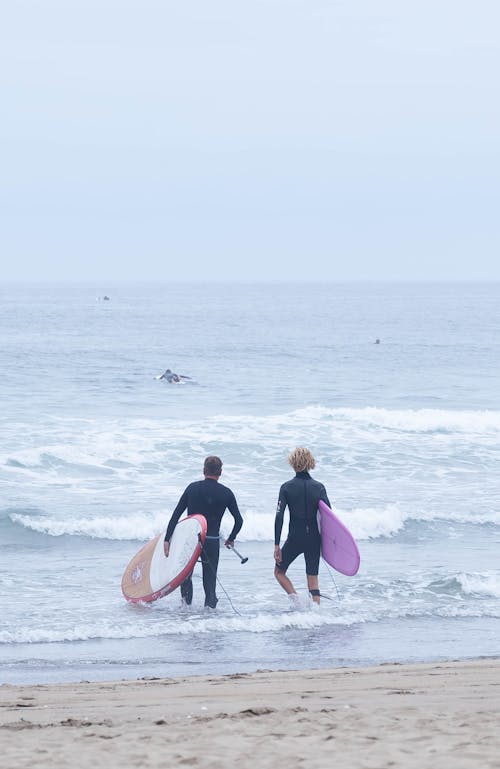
335, 584
227, 596
221, 585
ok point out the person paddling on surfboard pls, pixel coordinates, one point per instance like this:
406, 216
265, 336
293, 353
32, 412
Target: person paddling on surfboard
301, 495
211, 499
172, 377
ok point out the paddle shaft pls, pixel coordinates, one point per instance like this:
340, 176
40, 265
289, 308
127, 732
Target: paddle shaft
241, 557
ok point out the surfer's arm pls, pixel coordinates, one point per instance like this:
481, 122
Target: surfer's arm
278, 521
238, 520
324, 496
179, 509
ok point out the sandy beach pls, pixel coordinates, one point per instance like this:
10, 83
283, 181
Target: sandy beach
428, 715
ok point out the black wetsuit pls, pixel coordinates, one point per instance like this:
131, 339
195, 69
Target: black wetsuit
171, 377
302, 495
211, 499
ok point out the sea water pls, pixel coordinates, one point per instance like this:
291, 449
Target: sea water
95, 452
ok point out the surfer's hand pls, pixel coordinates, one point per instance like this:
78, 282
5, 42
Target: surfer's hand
166, 548
277, 554
229, 543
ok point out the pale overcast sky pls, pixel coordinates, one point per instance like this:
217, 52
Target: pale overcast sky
230, 139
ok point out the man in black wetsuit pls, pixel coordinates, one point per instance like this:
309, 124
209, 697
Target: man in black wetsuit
302, 495
211, 499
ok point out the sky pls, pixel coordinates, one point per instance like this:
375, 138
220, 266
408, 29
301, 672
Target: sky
250, 140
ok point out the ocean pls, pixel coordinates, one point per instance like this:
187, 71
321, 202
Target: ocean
95, 451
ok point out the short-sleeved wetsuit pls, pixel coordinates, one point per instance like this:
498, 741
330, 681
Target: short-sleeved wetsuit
301, 495
211, 499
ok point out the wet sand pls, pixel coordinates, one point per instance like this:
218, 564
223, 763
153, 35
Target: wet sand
430, 715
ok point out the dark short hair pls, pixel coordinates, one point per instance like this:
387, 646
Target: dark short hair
212, 466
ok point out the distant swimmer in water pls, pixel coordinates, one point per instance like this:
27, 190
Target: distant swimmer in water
377, 341
172, 377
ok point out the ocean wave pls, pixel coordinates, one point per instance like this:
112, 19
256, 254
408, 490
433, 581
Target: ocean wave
364, 524
120, 445
370, 598
473, 423
463, 584
184, 625
122, 478
134, 527
487, 584
156, 624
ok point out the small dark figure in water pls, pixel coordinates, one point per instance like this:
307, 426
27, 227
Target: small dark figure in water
105, 298
377, 341
172, 377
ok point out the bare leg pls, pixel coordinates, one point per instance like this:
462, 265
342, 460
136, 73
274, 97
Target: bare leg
284, 582
313, 584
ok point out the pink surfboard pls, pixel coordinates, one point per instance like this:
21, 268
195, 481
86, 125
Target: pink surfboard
150, 575
338, 546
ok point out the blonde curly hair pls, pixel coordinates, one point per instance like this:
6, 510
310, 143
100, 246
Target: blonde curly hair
301, 460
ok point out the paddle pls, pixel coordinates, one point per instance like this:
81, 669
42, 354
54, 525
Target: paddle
232, 547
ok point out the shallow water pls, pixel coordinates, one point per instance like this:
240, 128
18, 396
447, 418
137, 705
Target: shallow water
95, 452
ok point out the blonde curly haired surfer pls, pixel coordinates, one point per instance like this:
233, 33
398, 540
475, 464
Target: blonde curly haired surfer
301, 495
301, 460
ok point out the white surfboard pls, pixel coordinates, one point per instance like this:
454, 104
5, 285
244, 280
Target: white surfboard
150, 575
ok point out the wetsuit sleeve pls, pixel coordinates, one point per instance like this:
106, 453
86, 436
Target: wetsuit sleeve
278, 521
324, 496
180, 507
232, 506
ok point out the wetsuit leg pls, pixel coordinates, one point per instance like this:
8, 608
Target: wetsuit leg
209, 563
289, 552
187, 590
312, 551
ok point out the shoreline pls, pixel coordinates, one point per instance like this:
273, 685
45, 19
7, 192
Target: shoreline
392, 714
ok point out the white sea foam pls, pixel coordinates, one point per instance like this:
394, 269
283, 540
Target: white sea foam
185, 626
368, 523
388, 464
133, 441
363, 523
135, 527
390, 605
487, 584
142, 453
472, 423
